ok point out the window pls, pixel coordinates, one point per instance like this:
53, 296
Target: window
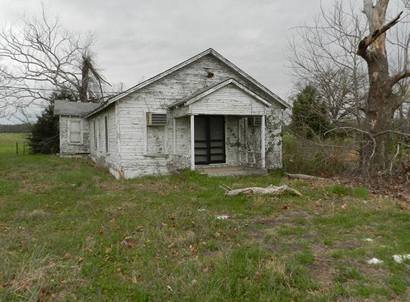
100, 131
75, 132
106, 133
255, 121
95, 135
155, 139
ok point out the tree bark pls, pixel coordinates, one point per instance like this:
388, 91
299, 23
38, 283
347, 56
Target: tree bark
381, 102
379, 109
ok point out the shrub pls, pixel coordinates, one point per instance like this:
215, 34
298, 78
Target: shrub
45, 134
325, 158
310, 116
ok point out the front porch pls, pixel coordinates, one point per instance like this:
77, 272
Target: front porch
227, 141
226, 126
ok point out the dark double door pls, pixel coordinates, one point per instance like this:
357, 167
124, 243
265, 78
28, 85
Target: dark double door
209, 139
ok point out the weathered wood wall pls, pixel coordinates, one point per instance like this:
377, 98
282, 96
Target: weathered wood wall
67, 148
231, 101
140, 148
98, 152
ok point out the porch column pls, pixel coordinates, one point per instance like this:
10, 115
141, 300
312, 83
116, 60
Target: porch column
263, 151
192, 142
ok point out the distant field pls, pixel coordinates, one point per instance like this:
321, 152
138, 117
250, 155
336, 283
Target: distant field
8, 142
70, 232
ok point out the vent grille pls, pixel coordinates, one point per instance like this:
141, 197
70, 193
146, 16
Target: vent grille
156, 119
255, 121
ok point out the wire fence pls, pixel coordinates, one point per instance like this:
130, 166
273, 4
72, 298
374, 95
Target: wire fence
22, 148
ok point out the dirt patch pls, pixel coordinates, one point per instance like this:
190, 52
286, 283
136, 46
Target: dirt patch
28, 186
160, 187
348, 244
322, 269
108, 185
34, 279
38, 214
397, 187
287, 218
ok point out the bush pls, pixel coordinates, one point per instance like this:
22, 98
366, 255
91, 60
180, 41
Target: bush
324, 158
310, 116
45, 133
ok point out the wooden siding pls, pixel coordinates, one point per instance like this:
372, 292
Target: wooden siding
68, 148
229, 100
110, 159
136, 156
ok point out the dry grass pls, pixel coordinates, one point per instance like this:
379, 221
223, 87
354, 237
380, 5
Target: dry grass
68, 231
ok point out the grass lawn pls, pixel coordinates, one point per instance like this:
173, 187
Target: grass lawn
69, 231
8, 142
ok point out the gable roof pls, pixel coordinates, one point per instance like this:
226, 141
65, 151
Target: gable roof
209, 90
209, 51
64, 107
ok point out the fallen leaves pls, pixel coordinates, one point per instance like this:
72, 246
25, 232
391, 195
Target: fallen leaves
193, 249
128, 242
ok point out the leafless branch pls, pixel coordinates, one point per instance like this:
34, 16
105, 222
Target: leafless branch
38, 56
369, 40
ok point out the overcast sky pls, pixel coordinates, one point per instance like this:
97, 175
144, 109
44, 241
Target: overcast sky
136, 39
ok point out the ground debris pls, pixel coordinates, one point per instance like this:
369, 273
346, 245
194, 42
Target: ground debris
270, 190
375, 261
128, 242
222, 217
401, 258
303, 176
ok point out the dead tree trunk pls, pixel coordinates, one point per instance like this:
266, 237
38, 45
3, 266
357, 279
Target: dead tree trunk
381, 102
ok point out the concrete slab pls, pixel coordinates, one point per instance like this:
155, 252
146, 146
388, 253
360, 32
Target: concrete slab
215, 171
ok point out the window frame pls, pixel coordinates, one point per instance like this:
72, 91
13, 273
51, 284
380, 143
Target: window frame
95, 135
76, 120
106, 134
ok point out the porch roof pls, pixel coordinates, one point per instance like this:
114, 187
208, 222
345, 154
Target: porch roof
79, 109
200, 94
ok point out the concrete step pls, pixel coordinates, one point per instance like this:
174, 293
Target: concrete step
230, 171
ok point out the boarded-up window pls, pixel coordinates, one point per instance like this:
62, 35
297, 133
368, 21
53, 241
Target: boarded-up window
75, 131
155, 140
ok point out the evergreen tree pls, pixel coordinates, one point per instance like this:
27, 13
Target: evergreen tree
45, 136
309, 115
44, 133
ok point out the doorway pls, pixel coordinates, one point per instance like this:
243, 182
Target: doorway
209, 139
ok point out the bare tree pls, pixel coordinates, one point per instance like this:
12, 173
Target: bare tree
382, 100
40, 57
371, 90
324, 55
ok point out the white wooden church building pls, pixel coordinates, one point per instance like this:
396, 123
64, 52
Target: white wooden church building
203, 111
